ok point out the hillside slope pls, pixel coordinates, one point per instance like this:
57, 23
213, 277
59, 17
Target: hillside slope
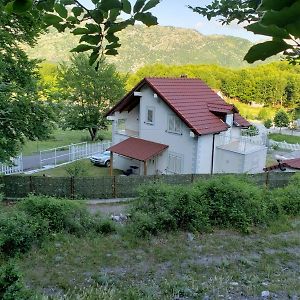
157, 44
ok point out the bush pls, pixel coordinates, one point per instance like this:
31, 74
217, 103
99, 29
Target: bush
268, 123
76, 169
289, 197
18, 232
164, 208
232, 202
61, 215
12, 286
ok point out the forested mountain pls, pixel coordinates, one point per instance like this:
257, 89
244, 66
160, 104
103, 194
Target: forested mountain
142, 46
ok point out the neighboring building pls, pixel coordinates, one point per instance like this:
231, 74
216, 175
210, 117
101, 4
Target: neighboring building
288, 165
180, 126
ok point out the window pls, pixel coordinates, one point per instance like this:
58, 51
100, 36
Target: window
150, 115
174, 124
175, 164
121, 125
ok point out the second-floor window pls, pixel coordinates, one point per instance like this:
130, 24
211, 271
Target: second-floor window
174, 124
150, 115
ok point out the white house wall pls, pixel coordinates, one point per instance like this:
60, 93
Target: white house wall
182, 144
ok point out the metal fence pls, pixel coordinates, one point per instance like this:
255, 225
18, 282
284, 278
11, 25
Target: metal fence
284, 145
16, 166
69, 153
114, 186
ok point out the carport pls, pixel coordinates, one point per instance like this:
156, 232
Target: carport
135, 148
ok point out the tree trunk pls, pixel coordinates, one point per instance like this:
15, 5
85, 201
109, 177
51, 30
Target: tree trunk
93, 133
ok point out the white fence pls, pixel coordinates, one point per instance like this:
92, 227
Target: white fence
284, 145
15, 167
69, 153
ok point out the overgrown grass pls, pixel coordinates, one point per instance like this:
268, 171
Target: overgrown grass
62, 138
254, 113
290, 139
89, 170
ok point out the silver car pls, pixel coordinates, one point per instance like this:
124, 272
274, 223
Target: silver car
102, 159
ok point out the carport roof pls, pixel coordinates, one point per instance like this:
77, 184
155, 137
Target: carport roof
138, 149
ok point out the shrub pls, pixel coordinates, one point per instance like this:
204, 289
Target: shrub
11, 284
165, 208
18, 232
289, 197
232, 202
61, 215
268, 123
76, 169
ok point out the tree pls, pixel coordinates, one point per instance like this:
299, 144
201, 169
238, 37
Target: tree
22, 115
88, 93
97, 26
268, 123
273, 18
281, 119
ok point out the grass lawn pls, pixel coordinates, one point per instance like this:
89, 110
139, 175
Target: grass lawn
88, 170
61, 138
290, 139
218, 265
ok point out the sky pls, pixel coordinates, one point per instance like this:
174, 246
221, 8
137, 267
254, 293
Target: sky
176, 13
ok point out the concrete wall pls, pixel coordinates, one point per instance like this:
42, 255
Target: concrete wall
204, 154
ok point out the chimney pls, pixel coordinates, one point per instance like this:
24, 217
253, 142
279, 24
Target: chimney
183, 76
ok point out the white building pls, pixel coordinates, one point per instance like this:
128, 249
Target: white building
180, 126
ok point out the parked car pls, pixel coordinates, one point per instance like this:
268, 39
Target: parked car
102, 159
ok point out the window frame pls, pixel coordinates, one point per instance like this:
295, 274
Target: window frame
152, 109
177, 127
177, 165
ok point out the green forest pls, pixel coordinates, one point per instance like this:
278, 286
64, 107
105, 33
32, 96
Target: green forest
271, 86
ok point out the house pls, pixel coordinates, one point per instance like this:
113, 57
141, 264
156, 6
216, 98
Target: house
288, 165
178, 126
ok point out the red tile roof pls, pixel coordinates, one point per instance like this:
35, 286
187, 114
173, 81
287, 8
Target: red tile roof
138, 149
289, 163
191, 99
239, 121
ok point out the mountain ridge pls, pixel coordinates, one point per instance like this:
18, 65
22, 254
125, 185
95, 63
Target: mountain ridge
143, 45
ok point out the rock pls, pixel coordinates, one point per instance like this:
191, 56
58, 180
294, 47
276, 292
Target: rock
265, 294
206, 297
234, 283
190, 237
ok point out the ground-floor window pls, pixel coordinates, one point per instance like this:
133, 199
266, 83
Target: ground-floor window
175, 163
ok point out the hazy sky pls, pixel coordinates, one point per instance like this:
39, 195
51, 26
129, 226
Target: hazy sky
176, 13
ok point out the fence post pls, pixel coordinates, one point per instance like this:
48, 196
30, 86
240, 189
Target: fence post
30, 184
192, 178
267, 179
114, 187
72, 187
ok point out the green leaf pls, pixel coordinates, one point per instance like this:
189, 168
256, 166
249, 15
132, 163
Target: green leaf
274, 4
51, 19
271, 30
91, 39
80, 31
147, 18
107, 5
294, 29
111, 38
126, 6
77, 11
111, 52
21, 6
73, 20
283, 17
9, 7
114, 13
138, 5
67, 2
61, 10
150, 4
113, 46
93, 28
82, 48
93, 57
97, 15
264, 50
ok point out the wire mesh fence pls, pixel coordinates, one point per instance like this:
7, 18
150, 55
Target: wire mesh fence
113, 186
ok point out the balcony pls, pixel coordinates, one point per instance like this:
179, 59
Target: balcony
128, 132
